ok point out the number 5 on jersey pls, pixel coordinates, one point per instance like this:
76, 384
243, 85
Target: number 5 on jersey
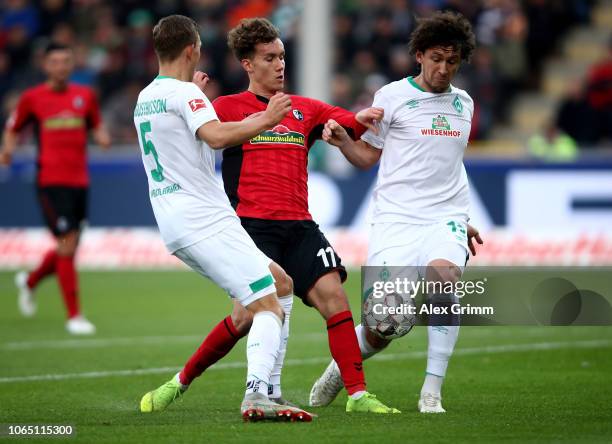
147, 146
323, 256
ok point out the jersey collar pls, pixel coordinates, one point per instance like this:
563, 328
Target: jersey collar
420, 88
258, 97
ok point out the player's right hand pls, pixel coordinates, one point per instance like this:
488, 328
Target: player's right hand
473, 234
5, 158
201, 79
278, 107
334, 133
369, 118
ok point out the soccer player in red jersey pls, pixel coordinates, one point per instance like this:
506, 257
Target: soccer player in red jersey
266, 182
62, 113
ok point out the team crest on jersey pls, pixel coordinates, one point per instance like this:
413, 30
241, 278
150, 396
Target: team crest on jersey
78, 102
458, 104
196, 104
298, 114
280, 134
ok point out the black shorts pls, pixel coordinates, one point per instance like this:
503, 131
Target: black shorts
64, 208
299, 247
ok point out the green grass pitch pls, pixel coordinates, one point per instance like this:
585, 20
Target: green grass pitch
510, 384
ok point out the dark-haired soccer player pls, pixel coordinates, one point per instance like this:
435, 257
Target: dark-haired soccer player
421, 199
62, 113
265, 179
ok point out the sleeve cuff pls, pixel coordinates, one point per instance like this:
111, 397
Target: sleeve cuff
373, 140
196, 124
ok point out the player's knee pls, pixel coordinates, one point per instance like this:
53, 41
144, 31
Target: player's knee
283, 282
268, 303
67, 244
444, 273
284, 285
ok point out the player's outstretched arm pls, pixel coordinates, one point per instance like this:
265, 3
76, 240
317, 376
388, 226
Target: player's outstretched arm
224, 134
358, 152
9, 144
101, 137
473, 234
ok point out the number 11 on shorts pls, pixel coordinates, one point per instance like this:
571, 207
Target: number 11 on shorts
322, 253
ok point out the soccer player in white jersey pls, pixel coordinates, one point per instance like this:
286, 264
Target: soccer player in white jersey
420, 203
178, 130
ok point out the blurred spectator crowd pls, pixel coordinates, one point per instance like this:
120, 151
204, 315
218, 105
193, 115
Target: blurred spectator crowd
114, 54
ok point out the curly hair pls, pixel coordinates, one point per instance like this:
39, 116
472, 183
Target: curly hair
248, 33
444, 29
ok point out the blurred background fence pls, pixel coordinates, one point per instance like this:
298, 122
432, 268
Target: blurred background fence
539, 161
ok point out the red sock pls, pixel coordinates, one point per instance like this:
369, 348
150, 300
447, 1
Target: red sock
217, 344
67, 277
46, 267
345, 351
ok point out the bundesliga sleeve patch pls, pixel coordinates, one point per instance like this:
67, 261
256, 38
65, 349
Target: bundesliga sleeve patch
196, 104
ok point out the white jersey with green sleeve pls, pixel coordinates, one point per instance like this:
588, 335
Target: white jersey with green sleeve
423, 136
188, 199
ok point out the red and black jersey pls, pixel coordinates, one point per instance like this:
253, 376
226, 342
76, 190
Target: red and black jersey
62, 119
267, 177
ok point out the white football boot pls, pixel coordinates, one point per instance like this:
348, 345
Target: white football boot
257, 407
327, 387
430, 403
79, 325
25, 297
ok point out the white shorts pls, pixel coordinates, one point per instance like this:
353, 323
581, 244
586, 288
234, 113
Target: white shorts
232, 261
406, 245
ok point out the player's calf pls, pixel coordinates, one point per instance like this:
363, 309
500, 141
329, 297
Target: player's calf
328, 386
442, 332
25, 296
263, 343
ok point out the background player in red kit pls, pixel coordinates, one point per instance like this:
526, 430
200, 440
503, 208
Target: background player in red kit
266, 182
62, 113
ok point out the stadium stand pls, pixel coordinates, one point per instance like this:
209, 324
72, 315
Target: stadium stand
530, 55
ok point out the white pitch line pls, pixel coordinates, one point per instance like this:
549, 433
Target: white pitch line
125, 341
96, 343
160, 340
494, 349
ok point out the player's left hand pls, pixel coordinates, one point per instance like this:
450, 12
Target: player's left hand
200, 79
369, 116
473, 233
102, 137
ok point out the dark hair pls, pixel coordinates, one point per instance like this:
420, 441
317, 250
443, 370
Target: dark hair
248, 33
172, 34
444, 29
53, 46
